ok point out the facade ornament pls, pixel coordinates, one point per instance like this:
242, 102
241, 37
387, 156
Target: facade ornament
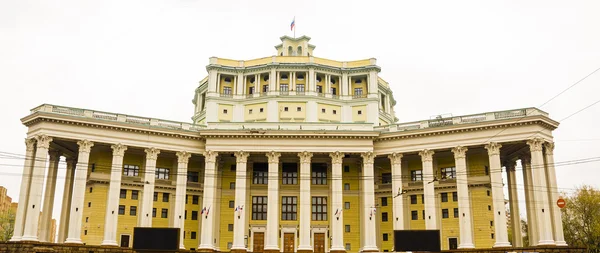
525, 159
510, 165
305, 156
210, 156
30, 144
54, 155
337, 157
71, 161
241, 156
493, 148
396, 158
183, 156
85, 146
152, 153
43, 141
426, 155
535, 144
549, 148
273, 156
118, 149
368, 157
460, 152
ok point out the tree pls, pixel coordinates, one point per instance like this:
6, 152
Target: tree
581, 218
525, 232
7, 224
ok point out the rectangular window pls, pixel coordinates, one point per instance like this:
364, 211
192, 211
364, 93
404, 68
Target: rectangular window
121, 209
233, 167
165, 197
455, 212
259, 173
384, 216
289, 174
491, 223
251, 90
413, 199
195, 199
162, 173
131, 170
358, 92
444, 197
185, 217
192, 176
422, 198
283, 87
384, 201
227, 90
259, 208
231, 204
289, 208
298, 109
454, 196
385, 237
153, 212
193, 235
346, 168
386, 178
348, 246
423, 214
319, 89
135, 194
414, 215
300, 87
250, 111
448, 173
265, 90
487, 170
229, 245
323, 110
123, 194
346, 186
285, 109
133, 210
232, 185
347, 205
261, 110
229, 227
416, 175
347, 229
155, 196
319, 173
334, 111
91, 189
445, 214
194, 215
164, 213
333, 91
319, 208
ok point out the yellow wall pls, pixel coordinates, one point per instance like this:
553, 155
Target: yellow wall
328, 116
335, 85
225, 116
481, 217
256, 114
352, 215
223, 84
292, 114
359, 117
362, 85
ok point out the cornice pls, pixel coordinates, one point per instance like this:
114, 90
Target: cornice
299, 134
280, 65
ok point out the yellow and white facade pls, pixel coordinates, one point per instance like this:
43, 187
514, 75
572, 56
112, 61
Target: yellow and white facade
290, 153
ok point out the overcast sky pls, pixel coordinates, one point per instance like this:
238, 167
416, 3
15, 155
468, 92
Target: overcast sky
440, 57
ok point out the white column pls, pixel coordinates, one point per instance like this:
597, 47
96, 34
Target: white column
79, 183
180, 190
292, 81
305, 202
397, 191
532, 227
277, 81
540, 191
368, 204
344, 85
513, 198
35, 191
112, 198
273, 207
66, 203
428, 189
48, 207
501, 232
210, 184
24, 192
559, 237
464, 203
310, 81
239, 217
327, 84
272, 80
145, 219
337, 222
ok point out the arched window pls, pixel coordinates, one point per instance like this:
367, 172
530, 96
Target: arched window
332, 80
266, 78
300, 77
299, 50
318, 79
358, 81
284, 76
281, 54
252, 80
227, 80
308, 54
290, 51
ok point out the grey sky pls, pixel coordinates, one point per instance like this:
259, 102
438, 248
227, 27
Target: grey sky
440, 57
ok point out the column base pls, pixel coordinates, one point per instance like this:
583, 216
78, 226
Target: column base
239, 250
206, 250
466, 246
546, 242
73, 241
501, 245
370, 249
271, 251
109, 243
304, 251
30, 239
337, 251
15, 239
561, 243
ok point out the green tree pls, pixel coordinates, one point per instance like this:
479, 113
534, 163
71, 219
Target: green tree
525, 233
7, 224
581, 218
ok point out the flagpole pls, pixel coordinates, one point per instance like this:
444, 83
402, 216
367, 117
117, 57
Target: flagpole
294, 27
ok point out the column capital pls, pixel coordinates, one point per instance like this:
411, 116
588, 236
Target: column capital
460, 152
210, 156
396, 158
510, 165
85, 146
43, 141
152, 153
426, 155
241, 156
368, 157
183, 156
535, 144
525, 158
549, 148
118, 149
337, 157
54, 155
305, 156
71, 161
273, 156
493, 148
30, 144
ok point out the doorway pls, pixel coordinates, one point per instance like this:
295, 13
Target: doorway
125, 241
452, 243
319, 243
259, 242
288, 243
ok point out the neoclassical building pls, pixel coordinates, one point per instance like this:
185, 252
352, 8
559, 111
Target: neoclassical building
290, 153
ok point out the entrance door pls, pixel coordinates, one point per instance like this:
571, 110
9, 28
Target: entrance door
259, 242
319, 243
125, 241
288, 243
452, 243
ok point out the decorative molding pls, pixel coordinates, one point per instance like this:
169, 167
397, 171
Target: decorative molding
85, 146
368, 157
337, 157
54, 155
30, 144
71, 162
535, 144
305, 157
273, 156
118, 149
549, 148
152, 153
510, 165
183, 156
210, 156
460, 152
396, 158
241, 156
43, 141
493, 148
426, 155
525, 159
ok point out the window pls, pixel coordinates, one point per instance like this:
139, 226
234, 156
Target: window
346, 186
414, 215
347, 228
250, 111
135, 194
449, 173
416, 175
359, 112
162, 173
289, 174
185, 217
251, 90
195, 199
123, 194
348, 246
491, 223
193, 235
194, 215
444, 197
445, 213
153, 212
319, 208
259, 173
284, 77
455, 212
357, 81
265, 89
131, 170
334, 111
192, 176
423, 199
323, 110
85, 232
347, 205
164, 213
259, 208
454, 196
232, 185
231, 204
333, 91
229, 245
489, 208
229, 227
121, 210
298, 109
319, 88
155, 196
289, 208
283, 87
285, 109
319, 173
233, 167
93, 167
261, 110
413, 199
384, 216
227, 80
89, 204
385, 237
487, 170
423, 214
300, 87
384, 201
346, 168
386, 178
165, 197
227, 90
492, 235
87, 219
224, 111
488, 192
133, 210
358, 92
91, 189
